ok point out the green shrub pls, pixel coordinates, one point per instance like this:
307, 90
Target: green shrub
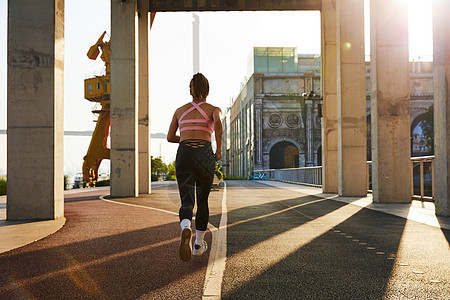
102, 183
2, 186
154, 177
170, 177
236, 178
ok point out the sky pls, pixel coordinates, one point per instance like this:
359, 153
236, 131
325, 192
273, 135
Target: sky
226, 40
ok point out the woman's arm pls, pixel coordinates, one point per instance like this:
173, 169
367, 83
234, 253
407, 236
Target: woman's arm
172, 136
218, 132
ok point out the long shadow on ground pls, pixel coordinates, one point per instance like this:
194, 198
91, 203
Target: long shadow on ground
331, 266
106, 251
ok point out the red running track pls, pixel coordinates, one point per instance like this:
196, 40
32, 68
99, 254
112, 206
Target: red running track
105, 251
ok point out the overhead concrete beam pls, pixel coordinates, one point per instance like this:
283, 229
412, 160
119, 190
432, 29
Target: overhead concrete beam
35, 110
233, 5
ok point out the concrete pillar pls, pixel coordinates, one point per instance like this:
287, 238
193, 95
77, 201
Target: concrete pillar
258, 133
390, 102
309, 134
124, 96
145, 185
351, 98
329, 94
35, 109
441, 36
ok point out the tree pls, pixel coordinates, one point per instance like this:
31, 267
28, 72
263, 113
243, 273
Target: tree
170, 171
427, 126
157, 165
171, 167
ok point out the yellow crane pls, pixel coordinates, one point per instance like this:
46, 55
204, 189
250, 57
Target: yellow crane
98, 89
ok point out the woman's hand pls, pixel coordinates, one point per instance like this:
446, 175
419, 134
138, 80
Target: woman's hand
218, 130
218, 155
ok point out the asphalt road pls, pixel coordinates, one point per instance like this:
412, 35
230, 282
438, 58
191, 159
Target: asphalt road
284, 245
281, 244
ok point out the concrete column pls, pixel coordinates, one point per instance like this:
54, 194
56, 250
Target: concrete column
145, 185
441, 36
124, 96
329, 94
351, 98
390, 102
309, 134
35, 110
258, 133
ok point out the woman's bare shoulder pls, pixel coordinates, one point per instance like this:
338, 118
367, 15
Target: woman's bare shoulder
212, 107
185, 106
180, 110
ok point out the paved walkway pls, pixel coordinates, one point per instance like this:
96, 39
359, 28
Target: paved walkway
280, 241
105, 250
418, 211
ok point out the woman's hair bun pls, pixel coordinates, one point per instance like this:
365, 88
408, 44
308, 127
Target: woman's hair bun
199, 86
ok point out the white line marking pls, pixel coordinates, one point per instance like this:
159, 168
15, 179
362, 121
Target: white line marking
141, 206
218, 255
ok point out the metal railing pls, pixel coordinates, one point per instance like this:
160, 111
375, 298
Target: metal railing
423, 182
422, 177
307, 175
369, 176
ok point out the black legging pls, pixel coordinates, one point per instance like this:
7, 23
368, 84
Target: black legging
195, 166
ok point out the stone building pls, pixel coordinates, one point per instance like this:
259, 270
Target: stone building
272, 123
275, 121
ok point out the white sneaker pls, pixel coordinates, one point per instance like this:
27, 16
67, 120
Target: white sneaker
185, 249
200, 249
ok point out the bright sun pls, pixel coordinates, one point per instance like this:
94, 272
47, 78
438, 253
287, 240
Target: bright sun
420, 29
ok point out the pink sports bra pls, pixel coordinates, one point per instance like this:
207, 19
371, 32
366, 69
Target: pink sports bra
206, 119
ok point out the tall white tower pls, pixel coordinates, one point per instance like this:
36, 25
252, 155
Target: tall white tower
196, 43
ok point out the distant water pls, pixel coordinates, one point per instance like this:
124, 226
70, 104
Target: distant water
75, 148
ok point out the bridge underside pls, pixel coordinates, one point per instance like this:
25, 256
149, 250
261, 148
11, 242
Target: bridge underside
36, 96
232, 5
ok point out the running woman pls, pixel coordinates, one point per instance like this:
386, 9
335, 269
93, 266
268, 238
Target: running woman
195, 162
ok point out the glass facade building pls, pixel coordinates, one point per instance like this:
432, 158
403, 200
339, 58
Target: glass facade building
273, 60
